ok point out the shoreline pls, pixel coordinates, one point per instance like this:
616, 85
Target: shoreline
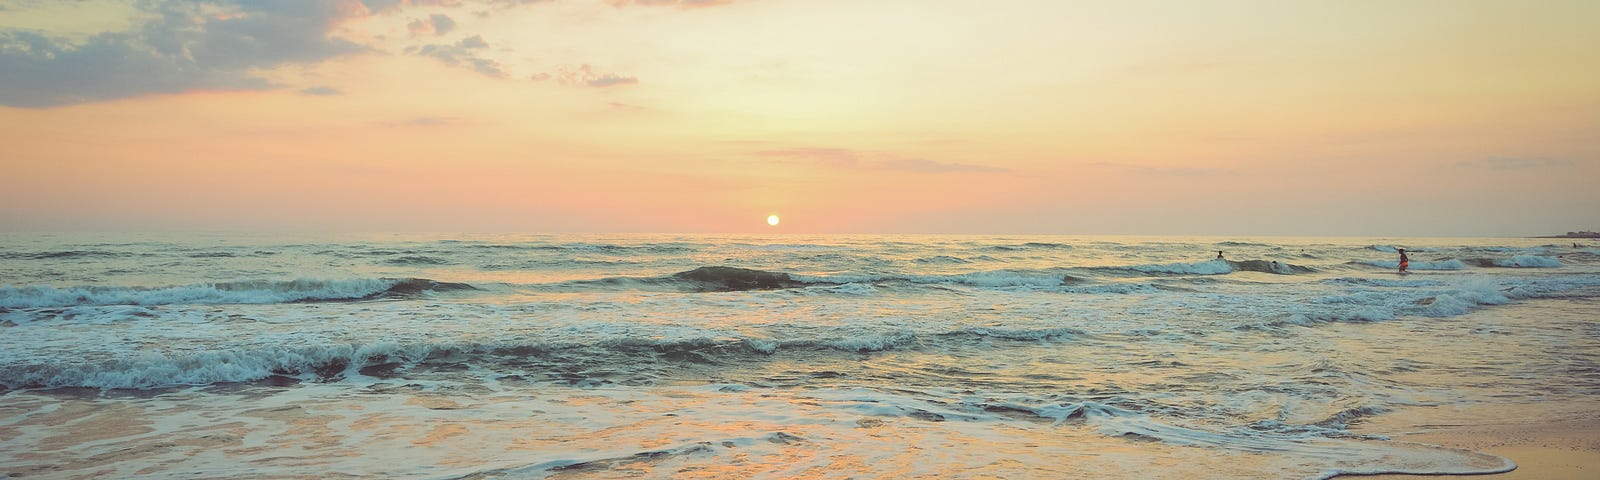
1548, 435
1552, 449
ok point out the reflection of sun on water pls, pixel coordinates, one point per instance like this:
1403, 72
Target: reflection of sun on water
772, 220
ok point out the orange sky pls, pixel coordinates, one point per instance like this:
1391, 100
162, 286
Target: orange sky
1191, 118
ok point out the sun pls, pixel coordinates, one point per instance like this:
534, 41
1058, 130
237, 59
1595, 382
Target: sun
772, 220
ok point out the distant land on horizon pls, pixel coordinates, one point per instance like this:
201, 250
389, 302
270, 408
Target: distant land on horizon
1582, 234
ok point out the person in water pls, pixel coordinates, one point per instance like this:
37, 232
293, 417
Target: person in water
1404, 262
1219, 254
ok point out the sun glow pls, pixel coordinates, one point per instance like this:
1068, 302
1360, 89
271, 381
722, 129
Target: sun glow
772, 220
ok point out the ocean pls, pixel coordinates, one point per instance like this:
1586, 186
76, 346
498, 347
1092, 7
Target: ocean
445, 356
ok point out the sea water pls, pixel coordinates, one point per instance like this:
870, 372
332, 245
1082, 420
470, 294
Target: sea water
770, 356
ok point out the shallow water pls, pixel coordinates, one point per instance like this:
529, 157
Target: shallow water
529, 356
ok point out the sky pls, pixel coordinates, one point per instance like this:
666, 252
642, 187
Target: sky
1346, 118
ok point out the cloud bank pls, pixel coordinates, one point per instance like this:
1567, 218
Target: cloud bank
193, 45
188, 45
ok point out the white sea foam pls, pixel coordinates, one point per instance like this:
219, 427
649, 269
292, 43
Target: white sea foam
872, 343
1451, 264
854, 289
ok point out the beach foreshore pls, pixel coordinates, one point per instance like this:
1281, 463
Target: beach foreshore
1549, 429
1547, 442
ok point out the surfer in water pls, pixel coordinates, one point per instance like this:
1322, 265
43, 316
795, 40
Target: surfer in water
1404, 262
1219, 254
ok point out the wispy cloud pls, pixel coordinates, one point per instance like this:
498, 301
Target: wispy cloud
437, 24
463, 53
585, 76
1516, 163
669, 3
611, 80
391, 6
325, 91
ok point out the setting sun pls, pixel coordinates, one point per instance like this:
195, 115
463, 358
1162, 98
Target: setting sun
772, 220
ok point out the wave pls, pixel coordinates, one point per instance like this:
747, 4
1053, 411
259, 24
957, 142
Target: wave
241, 292
1214, 267
1208, 267
1519, 261
1242, 244
60, 255
1396, 250
329, 363
733, 279
1423, 298
1349, 454
1270, 266
1031, 246
416, 260
1379, 282
1451, 264
212, 255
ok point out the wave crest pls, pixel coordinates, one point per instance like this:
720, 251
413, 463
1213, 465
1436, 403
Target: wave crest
241, 292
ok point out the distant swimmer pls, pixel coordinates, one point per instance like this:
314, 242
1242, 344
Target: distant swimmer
1219, 254
1404, 262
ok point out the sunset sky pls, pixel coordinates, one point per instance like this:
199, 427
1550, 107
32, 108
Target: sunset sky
1389, 118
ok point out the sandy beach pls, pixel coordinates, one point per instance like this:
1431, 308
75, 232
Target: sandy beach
1550, 438
1557, 448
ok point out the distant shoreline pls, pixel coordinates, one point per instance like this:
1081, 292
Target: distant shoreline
1574, 235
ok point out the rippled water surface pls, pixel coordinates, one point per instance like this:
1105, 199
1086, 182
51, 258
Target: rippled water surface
529, 356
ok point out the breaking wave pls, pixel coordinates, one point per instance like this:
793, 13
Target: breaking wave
242, 292
1415, 265
566, 361
1519, 261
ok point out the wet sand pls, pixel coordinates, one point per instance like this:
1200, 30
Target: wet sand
1565, 444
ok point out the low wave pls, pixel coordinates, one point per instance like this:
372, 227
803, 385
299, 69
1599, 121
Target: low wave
1394, 264
1242, 244
329, 363
61, 255
1220, 267
1033, 246
1208, 267
243, 292
732, 279
1519, 261
416, 260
